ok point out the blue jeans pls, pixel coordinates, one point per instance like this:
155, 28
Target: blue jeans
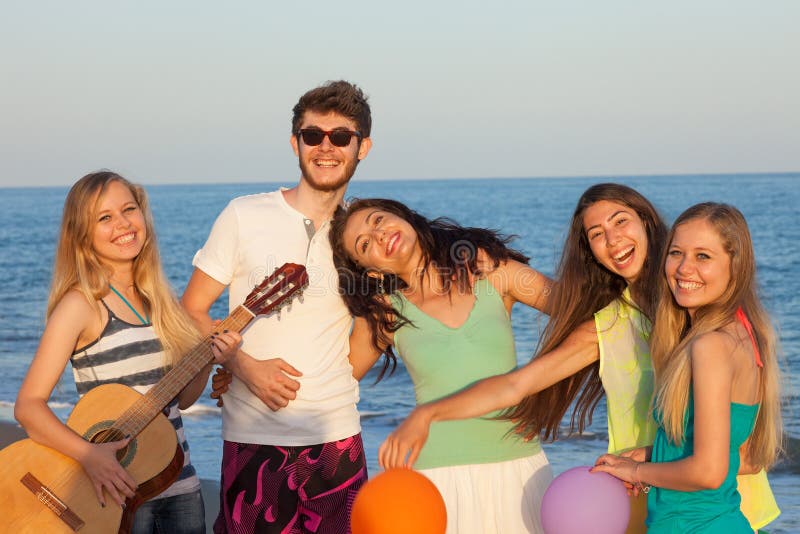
181, 514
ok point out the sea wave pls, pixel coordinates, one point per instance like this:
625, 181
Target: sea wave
201, 410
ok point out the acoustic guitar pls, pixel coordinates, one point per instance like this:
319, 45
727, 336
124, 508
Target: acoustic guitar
44, 491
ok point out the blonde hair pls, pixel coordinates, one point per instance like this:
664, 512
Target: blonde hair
77, 266
673, 334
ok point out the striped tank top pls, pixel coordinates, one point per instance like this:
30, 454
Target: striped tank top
132, 355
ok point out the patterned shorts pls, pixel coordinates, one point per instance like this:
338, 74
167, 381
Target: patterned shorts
290, 490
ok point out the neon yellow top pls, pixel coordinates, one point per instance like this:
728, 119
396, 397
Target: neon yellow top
758, 502
627, 374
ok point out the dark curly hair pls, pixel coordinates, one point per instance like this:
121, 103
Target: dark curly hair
448, 249
340, 97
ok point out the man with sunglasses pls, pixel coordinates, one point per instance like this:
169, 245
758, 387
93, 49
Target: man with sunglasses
293, 457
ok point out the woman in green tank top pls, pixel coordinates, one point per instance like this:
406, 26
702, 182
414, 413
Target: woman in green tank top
717, 379
440, 296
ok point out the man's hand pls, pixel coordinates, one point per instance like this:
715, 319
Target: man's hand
269, 380
220, 382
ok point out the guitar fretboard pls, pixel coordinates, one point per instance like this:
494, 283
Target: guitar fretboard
135, 418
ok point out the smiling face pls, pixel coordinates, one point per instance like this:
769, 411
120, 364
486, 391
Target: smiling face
617, 237
119, 227
698, 268
382, 241
326, 167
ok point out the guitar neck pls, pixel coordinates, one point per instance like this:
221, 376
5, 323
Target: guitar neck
160, 395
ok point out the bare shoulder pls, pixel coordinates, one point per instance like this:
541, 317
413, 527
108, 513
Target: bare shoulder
75, 313
506, 272
715, 346
75, 302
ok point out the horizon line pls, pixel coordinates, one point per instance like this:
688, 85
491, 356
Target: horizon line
240, 181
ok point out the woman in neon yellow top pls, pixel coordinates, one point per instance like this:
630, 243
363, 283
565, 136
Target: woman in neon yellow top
608, 264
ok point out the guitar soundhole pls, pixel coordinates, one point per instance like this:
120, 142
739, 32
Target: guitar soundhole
98, 434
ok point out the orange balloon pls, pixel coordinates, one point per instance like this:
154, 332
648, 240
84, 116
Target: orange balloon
398, 501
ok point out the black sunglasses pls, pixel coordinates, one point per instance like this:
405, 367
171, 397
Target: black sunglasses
314, 136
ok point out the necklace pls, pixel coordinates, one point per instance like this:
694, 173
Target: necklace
130, 305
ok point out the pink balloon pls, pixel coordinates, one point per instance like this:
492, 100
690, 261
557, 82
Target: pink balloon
580, 502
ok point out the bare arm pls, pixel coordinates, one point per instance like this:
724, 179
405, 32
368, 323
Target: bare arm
70, 319
268, 379
363, 353
204, 289
201, 292
363, 356
707, 466
224, 346
577, 351
194, 389
518, 282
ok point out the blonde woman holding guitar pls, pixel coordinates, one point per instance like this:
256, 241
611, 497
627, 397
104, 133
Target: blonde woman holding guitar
112, 314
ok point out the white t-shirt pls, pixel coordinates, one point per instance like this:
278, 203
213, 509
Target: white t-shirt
251, 237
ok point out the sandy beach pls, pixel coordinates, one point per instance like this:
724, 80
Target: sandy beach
11, 432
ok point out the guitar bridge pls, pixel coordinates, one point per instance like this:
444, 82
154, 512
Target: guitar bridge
50, 500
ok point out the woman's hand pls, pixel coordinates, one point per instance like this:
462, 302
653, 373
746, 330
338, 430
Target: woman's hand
639, 454
100, 463
225, 345
624, 468
402, 447
220, 381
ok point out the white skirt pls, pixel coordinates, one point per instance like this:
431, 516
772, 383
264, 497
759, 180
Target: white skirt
502, 497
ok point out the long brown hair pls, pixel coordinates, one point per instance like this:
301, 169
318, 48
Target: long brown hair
673, 333
584, 286
77, 266
449, 251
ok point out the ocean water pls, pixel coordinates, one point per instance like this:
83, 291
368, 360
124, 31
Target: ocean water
536, 210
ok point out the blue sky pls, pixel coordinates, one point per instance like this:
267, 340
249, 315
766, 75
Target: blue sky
200, 91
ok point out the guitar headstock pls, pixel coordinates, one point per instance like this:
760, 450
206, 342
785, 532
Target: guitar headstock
276, 289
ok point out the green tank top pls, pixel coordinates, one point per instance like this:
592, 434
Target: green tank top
626, 371
705, 511
442, 360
